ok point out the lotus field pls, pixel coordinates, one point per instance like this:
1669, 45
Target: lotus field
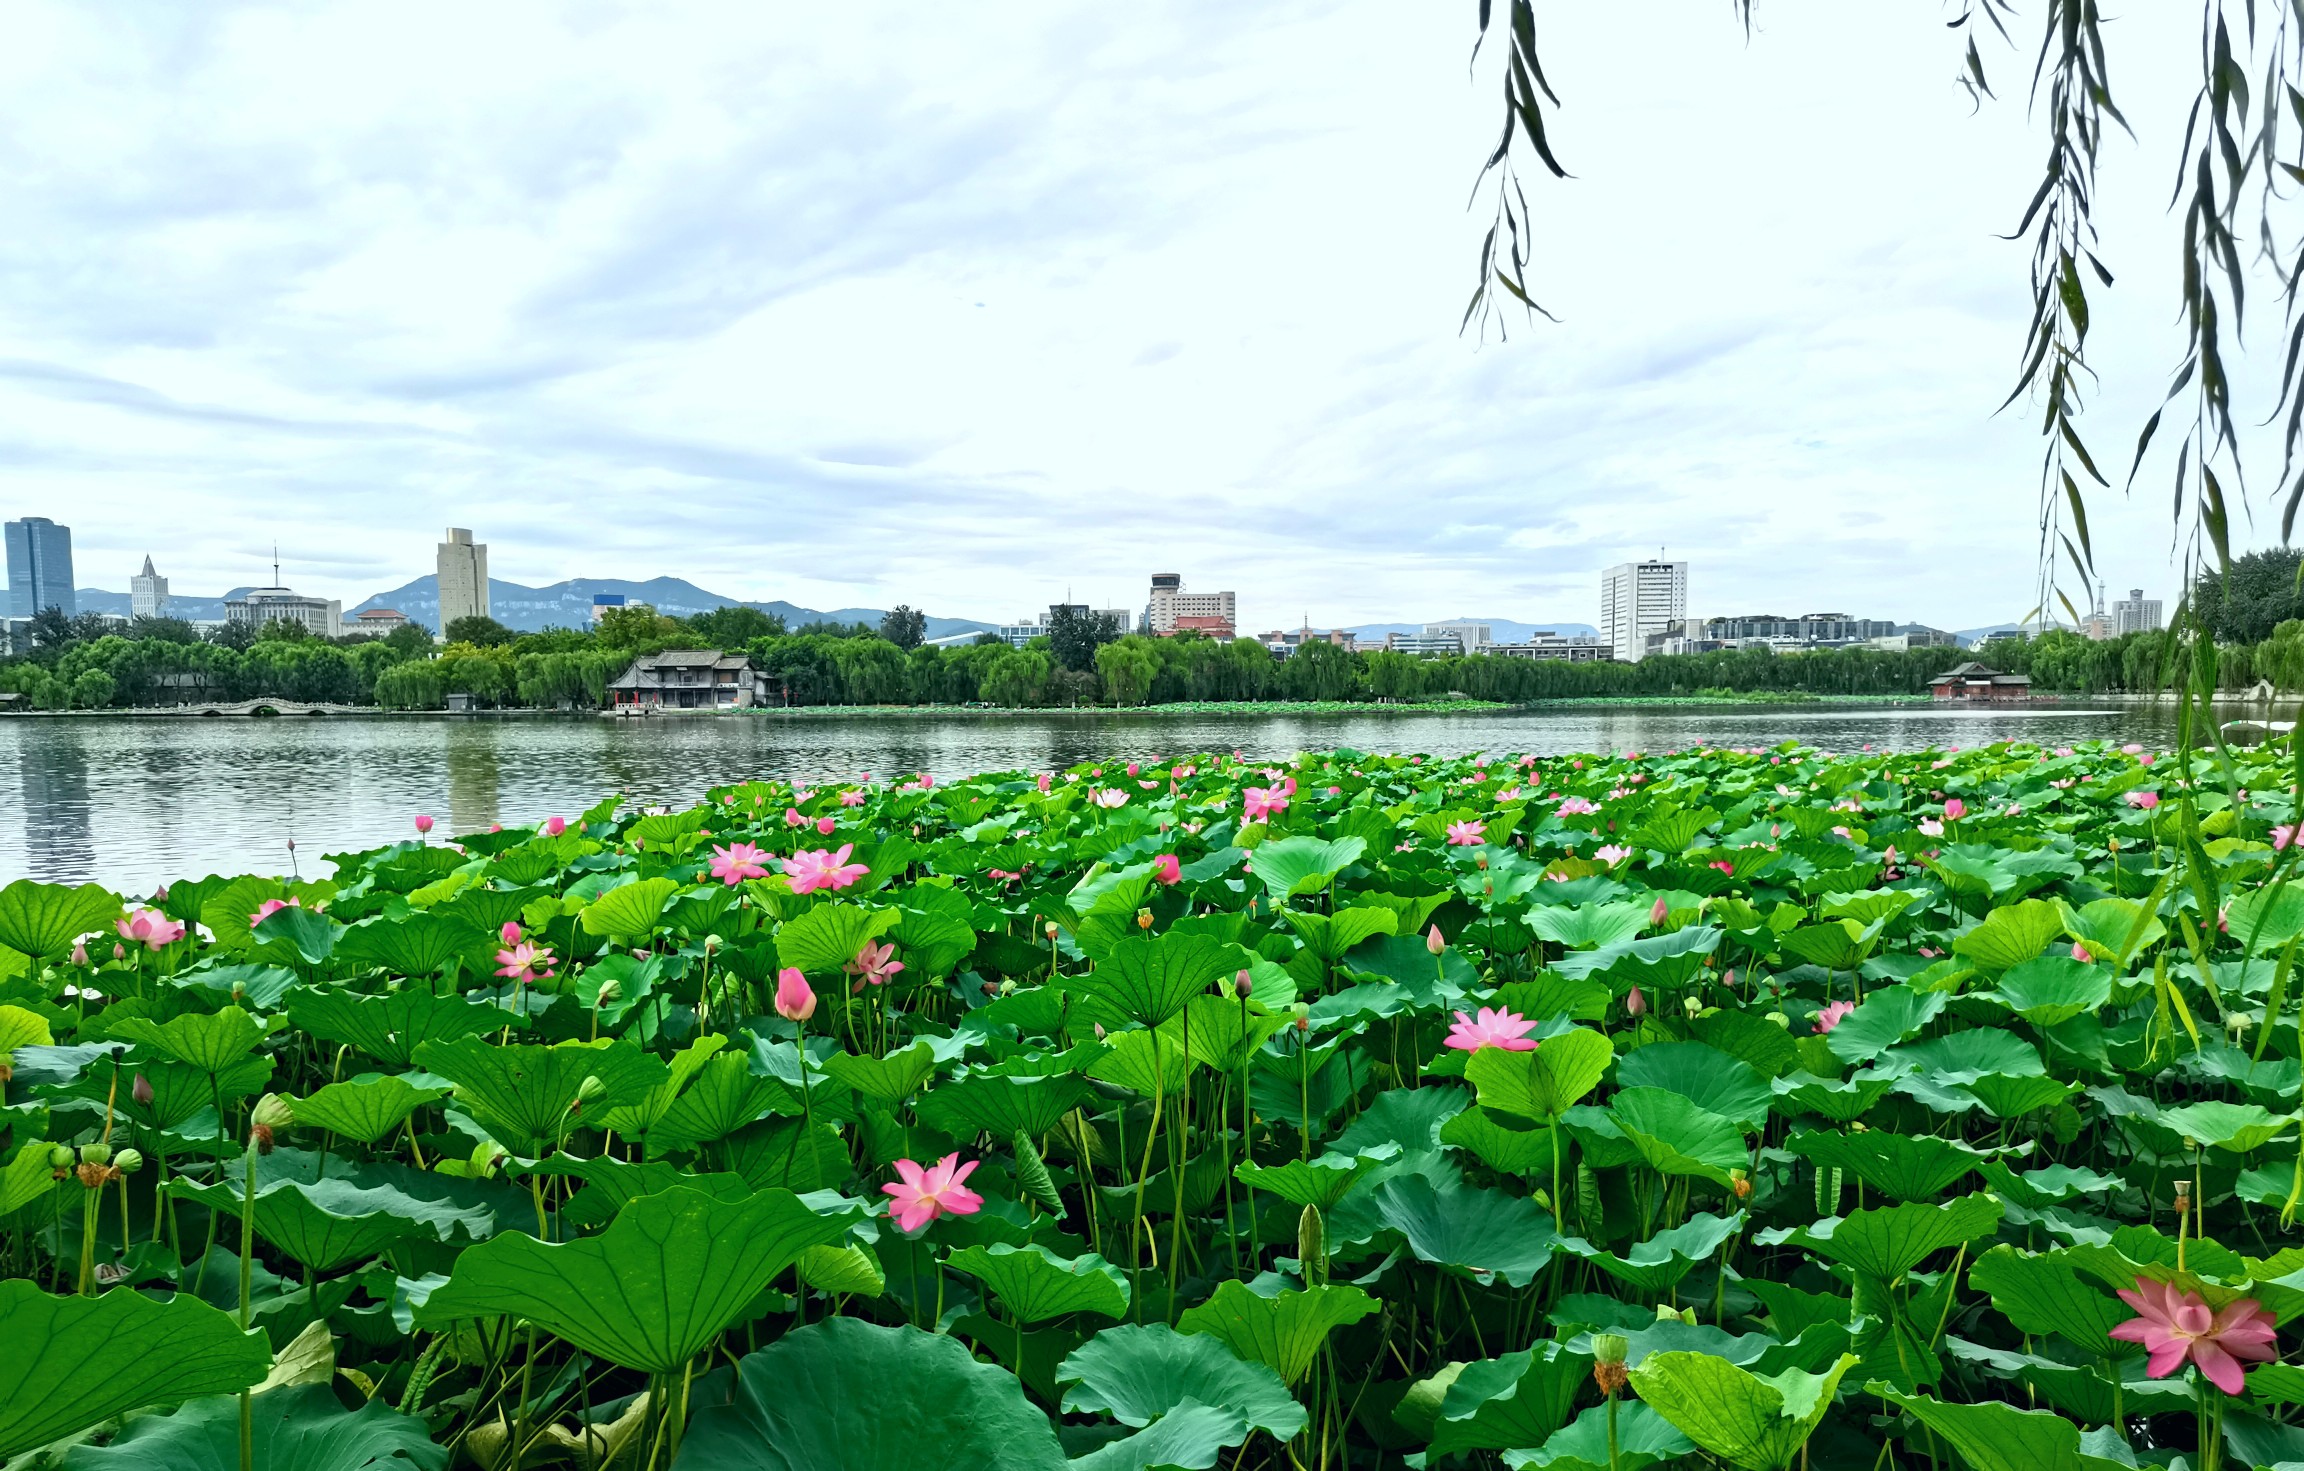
1710, 1108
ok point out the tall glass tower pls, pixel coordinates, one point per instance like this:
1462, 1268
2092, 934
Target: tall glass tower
39, 567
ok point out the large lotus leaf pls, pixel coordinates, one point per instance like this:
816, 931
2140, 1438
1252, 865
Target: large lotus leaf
1002, 1106
1136, 1374
611, 1182
418, 943
1962, 1057
27, 1177
2044, 1294
1191, 1437
1330, 935
1145, 1061
1502, 1146
1315, 1182
294, 1429
2239, 1127
860, 1397
1653, 1267
1488, 1233
1587, 926
1150, 981
1885, 1018
74, 1362
40, 920
725, 1097
1035, 1284
21, 1028
210, 1042
1706, 1076
1902, 1166
1992, 1436
1678, 1138
1887, 1242
1544, 1083
825, 938
890, 1079
1837, 944
1979, 868
2266, 919
2006, 1097
1283, 1331
639, 1117
2114, 929
526, 1096
670, 1273
2048, 989
180, 1091
1756, 1421
1642, 1438
1842, 1101
365, 1109
1660, 961
329, 1223
630, 911
292, 933
1300, 865
2008, 937
391, 1027
1517, 1400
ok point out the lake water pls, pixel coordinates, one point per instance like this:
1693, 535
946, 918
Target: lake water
133, 803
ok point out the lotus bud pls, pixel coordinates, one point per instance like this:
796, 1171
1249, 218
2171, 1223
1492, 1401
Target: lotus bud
119, 951
611, 992
1242, 985
79, 954
1312, 1246
510, 934
1433, 942
795, 999
1657, 912
591, 1090
272, 1114
555, 826
1635, 1004
1099, 1030
128, 1161
60, 1157
141, 1091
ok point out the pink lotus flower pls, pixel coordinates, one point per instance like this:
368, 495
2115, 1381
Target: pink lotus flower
1258, 804
815, 869
852, 798
1167, 869
1467, 834
524, 962
1042, 781
1610, 853
1108, 797
2145, 759
923, 1195
1955, 809
79, 954
1657, 911
555, 826
2082, 953
795, 999
2131, 748
1134, 768
793, 817
1635, 1003
1492, 1028
271, 907
510, 933
2283, 836
149, 928
2174, 1325
423, 824
875, 964
1433, 943
1830, 1016
1930, 827
2145, 800
824, 827
1577, 807
740, 861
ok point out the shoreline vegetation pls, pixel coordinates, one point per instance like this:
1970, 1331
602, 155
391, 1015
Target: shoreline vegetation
1176, 1112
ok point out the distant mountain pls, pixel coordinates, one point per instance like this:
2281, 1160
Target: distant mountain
1971, 637
528, 609
1503, 630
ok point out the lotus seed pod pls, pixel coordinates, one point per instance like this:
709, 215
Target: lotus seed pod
1610, 1348
128, 1161
1049, 929
274, 1112
60, 1156
98, 1153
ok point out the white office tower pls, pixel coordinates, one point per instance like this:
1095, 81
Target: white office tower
148, 593
1638, 599
463, 568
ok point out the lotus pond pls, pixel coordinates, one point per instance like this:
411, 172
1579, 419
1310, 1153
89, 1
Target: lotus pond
1756, 1108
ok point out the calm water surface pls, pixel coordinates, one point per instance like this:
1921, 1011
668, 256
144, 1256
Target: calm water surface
134, 803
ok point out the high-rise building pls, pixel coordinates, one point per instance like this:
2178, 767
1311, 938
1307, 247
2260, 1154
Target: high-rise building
39, 568
259, 606
463, 569
1473, 636
2135, 613
1638, 599
1169, 602
147, 592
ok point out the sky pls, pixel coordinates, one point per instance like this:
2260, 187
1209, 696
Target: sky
974, 306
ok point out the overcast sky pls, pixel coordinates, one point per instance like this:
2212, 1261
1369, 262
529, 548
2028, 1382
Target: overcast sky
969, 305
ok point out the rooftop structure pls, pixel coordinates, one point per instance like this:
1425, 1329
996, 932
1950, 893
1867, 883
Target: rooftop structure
1170, 603
148, 593
39, 567
462, 565
692, 679
1638, 599
1979, 684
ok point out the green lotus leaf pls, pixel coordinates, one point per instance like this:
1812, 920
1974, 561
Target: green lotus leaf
1136, 1374
2238, 1127
629, 912
1642, 1437
293, 1429
1889, 1241
1147, 1061
2048, 989
1520, 1399
851, 1270
2006, 1097
391, 1027
333, 1222
1706, 1076
854, 1395
1035, 1284
1755, 1421
891, 1079
418, 943
27, 1177
2010, 936
1487, 1233
2114, 929
1992, 1436
1329, 936
21, 1028
2266, 919
212, 1042
2042, 1293
725, 1097
1285, 1331
1842, 1101
1501, 1146
640, 1116
1655, 1266
1300, 865
823, 939
935, 941
365, 1109
1903, 1166
1149, 981
1587, 926
666, 1278
1838, 944
40, 920
610, 1182
526, 1096
1002, 1106
292, 932
1884, 1018
1192, 1435
1545, 1083
75, 1362
1317, 1182
1678, 1138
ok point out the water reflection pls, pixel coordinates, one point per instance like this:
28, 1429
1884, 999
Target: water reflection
134, 803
